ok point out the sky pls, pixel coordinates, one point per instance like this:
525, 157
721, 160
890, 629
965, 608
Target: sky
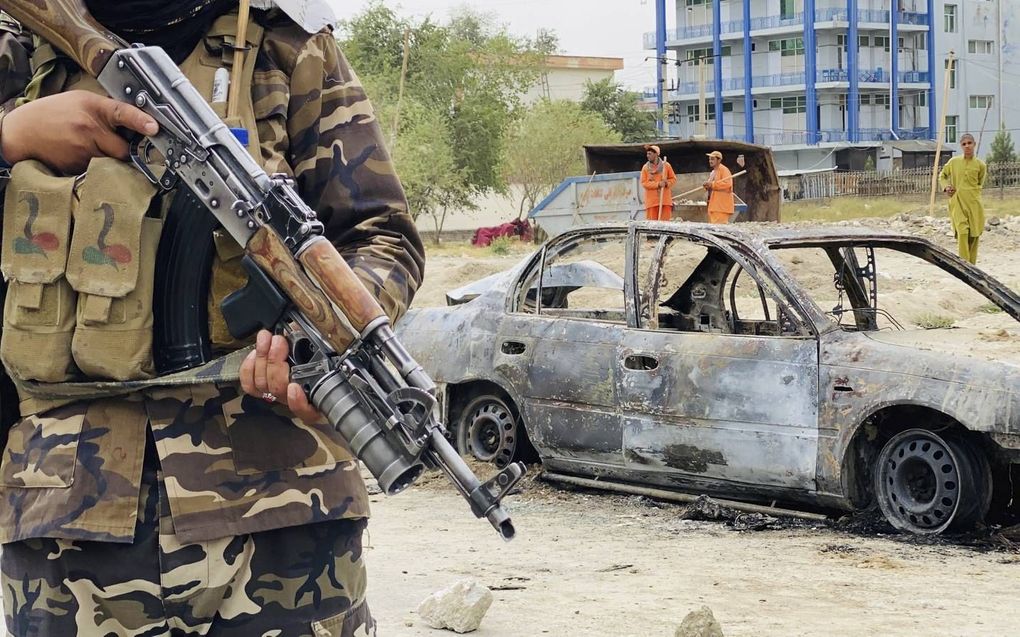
608, 28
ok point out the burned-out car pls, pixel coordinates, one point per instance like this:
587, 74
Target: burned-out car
752, 361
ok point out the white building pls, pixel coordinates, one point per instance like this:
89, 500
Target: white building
787, 76
564, 77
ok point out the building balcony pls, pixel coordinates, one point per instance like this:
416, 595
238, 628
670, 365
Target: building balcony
872, 135
870, 16
779, 80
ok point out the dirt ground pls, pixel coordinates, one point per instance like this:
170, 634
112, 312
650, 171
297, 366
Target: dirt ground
590, 564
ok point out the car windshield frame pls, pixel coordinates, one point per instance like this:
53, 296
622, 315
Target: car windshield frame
981, 282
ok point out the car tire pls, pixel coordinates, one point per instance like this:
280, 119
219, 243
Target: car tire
927, 483
490, 430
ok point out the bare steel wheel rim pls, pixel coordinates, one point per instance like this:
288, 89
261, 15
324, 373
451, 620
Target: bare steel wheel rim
491, 432
919, 482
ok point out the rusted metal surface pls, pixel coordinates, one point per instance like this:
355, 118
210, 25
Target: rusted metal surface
756, 410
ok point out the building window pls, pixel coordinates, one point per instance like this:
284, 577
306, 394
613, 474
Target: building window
921, 42
882, 99
981, 101
694, 3
866, 99
981, 47
790, 105
882, 41
707, 55
949, 18
790, 46
952, 74
692, 111
787, 9
841, 42
863, 42
922, 99
952, 121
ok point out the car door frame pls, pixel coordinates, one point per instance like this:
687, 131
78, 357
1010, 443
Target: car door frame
569, 434
654, 432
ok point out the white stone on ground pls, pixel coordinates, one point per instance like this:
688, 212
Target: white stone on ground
700, 623
459, 608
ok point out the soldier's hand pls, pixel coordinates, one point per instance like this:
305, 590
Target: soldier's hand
265, 374
66, 130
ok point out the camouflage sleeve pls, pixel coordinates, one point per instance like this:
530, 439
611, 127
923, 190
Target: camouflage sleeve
344, 172
15, 70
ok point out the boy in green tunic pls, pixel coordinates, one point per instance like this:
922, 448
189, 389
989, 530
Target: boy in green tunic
962, 178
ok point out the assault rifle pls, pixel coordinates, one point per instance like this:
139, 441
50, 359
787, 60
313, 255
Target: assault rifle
342, 348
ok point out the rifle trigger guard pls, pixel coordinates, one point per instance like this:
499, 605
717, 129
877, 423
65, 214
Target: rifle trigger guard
141, 147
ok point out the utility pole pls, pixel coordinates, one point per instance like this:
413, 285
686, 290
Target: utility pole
400, 94
942, 133
702, 114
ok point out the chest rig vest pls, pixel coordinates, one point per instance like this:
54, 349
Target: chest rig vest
91, 260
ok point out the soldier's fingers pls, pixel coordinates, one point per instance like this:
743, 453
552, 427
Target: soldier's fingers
262, 343
111, 145
277, 369
298, 403
248, 374
120, 115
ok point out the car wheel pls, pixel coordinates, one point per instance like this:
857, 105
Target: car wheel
926, 483
489, 430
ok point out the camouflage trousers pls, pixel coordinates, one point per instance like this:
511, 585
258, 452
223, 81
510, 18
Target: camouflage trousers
299, 581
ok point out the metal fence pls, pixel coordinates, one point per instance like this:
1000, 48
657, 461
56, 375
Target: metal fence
870, 183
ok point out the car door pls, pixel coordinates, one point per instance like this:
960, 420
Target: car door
566, 324
712, 389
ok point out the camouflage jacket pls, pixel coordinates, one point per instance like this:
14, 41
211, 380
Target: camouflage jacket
230, 464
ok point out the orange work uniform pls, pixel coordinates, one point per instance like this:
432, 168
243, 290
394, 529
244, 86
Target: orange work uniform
720, 195
651, 176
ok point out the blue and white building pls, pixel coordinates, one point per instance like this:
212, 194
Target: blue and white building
827, 83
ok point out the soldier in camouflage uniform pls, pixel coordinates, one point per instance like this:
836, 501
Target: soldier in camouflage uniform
202, 508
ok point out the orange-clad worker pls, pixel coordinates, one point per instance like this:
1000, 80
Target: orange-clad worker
657, 178
720, 190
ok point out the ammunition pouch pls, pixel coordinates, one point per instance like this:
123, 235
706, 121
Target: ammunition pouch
39, 310
81, 299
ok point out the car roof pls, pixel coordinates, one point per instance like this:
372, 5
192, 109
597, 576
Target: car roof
768, 233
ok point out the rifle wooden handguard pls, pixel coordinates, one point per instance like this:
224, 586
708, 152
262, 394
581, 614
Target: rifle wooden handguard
327, 268
273, 256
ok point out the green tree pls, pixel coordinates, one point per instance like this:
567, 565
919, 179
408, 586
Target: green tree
427, 164
545, 147
470, 72
620, 110
1002, 152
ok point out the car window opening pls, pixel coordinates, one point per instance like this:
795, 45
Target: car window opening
882, 286
697, 287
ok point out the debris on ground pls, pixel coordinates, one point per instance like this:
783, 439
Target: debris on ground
699, 623
707, 509
459, 608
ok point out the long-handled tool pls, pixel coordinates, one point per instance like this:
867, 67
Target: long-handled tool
662, 191
699, 188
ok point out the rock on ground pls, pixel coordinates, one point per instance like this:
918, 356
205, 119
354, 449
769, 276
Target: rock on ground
700, 623
459, 608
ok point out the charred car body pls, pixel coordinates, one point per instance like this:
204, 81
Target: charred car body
700, 358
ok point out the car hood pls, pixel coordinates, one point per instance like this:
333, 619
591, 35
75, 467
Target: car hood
999, 345
577, 274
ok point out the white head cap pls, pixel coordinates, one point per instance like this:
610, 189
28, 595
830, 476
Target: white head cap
310, 15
